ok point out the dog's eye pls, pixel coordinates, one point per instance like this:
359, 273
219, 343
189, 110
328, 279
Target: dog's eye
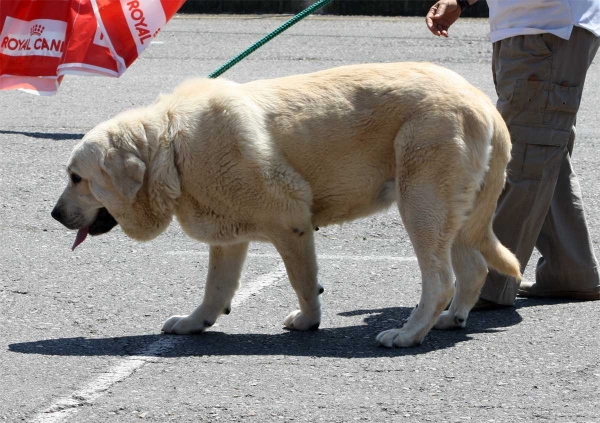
75, 178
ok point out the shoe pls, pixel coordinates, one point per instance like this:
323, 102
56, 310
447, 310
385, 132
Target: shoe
485, 305
530, 290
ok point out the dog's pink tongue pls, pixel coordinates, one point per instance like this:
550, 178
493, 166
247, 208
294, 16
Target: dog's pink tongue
81, 236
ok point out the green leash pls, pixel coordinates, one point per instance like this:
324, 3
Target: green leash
269, 37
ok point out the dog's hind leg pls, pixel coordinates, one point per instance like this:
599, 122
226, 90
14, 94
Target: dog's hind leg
470, 269
224, 271
297, 249
433, 203
431, 234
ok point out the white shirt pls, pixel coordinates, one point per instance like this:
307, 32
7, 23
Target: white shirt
509, 18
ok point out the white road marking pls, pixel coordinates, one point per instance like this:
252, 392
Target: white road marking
67, 406
259, 283
337, 257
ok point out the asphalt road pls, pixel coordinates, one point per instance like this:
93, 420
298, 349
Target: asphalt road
80, 335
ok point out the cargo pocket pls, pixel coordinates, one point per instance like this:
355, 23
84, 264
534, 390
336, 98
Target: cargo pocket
541, 102
562, 107
534, 162
528, 102
542, 113
528, 161
536, 157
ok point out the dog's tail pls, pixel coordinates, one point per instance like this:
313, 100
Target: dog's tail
478, 229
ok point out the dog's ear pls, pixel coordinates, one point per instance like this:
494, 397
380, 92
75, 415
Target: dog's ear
163, 177
126, 172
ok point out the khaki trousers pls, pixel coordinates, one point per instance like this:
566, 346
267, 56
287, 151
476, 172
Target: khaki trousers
539, 80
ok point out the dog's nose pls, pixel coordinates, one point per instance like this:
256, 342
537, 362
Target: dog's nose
56, 213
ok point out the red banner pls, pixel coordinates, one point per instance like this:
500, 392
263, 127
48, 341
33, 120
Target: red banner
43, 40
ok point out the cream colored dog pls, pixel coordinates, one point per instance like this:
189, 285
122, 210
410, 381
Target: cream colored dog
271, 160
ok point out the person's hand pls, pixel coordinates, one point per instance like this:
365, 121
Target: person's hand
441, 15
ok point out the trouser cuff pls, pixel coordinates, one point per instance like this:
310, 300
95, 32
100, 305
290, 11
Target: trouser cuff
500, 289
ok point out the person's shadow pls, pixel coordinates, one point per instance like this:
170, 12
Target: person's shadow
341, 342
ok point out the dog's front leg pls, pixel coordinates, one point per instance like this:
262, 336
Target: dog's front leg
296, 247
224, 270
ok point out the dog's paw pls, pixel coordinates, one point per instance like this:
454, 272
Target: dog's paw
296, 320
448, 321
397, 338
184, 325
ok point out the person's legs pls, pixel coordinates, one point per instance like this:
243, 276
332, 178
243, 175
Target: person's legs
539, 80
568, 266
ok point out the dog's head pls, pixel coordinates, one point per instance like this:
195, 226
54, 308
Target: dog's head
113, 180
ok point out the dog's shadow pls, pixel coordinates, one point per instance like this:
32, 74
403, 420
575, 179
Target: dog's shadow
339, 342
